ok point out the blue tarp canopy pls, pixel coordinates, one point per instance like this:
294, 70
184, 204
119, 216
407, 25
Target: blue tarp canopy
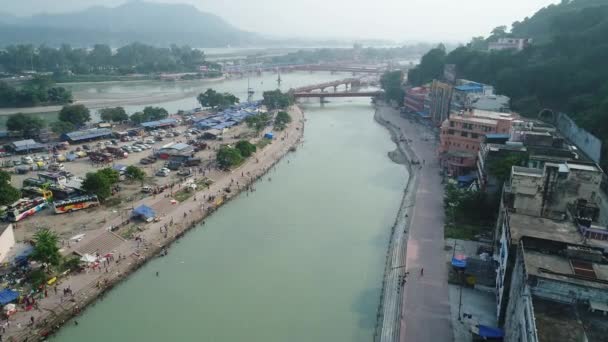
144, 211
460, 263
489, 332
497, 136
7, 296
269, 135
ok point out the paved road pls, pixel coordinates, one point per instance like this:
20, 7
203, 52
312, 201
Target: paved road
426, 308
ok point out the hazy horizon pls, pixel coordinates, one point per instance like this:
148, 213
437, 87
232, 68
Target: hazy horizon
430, 20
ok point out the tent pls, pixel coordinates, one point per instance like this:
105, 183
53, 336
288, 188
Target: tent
488, 333
145, 212
269, 135
88, 258
7, 296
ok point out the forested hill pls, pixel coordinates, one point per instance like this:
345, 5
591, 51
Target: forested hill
146, 22
566, 72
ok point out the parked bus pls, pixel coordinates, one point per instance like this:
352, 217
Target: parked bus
24, 208
54, 178
76, 203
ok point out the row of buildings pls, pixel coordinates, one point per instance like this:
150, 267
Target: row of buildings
550, 246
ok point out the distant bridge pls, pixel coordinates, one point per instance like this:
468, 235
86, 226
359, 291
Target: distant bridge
339, 94
259, 68
318, 90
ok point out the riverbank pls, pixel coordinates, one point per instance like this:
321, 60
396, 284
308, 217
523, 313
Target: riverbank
99, 103
391, 297
176, 220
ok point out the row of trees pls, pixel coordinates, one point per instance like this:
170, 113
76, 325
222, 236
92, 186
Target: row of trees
229, 156
72, 117
391, 82
40, 90
135, 57
275, 99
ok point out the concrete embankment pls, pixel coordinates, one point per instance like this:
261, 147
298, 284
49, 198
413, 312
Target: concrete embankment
391, 298
51, 318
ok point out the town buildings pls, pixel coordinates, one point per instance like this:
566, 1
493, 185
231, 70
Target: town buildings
417, 100
440, 98
461, 135
509, 44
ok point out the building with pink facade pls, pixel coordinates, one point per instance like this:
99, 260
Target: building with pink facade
462, 133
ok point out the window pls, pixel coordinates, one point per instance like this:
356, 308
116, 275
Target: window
451, 131
464, 134
451, 123
474, 135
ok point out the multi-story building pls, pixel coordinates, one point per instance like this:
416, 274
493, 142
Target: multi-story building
440, 97
555, 203
466, 91
558, 293
493, 103
509, 44
462, 134
417, 100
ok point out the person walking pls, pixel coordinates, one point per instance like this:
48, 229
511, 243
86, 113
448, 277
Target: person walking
421, 271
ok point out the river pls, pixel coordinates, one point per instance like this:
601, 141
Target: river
300, 259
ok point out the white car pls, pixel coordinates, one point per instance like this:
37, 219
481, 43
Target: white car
27, 160
136, 149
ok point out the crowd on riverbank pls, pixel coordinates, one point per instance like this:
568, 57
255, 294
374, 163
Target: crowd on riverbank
55, 309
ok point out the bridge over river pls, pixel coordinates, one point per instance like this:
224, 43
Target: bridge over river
319, 90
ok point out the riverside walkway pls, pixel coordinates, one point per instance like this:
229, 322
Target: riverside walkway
424, 310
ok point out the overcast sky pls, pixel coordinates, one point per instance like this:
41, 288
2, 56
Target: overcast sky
399, 20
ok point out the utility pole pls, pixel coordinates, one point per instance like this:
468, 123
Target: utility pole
279, 79
250, 91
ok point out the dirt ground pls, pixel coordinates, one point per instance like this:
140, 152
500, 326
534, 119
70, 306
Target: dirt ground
70, 224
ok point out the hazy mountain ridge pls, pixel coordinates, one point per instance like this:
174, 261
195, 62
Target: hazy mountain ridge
150, 23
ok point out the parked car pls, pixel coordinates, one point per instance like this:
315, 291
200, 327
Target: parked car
27, 160
144, 161
164, 172
136, 149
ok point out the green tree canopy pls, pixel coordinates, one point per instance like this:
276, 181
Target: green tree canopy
135, 173
77, 115
98, 184
275, 99
61, 127
281, 120
228, 157
46, 250
245, 148
155, 113
26, 124
110, 174
258, 121
211, 98
116, 114
8, 194
430, 67
391, 82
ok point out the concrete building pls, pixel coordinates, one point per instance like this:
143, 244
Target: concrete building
493, 103
462, 134
556, 203
509, 44
440, 98
7, 241
417, 100
558, 293
466, 91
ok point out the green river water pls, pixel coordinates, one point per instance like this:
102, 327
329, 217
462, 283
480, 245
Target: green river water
300, 259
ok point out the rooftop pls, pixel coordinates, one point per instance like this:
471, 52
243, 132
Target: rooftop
543, 228
557, 322
526, 171
563, 269
494, 115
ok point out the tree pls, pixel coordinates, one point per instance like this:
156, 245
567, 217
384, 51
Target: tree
258, 122
97, 184
275, 99
110, 174
8, 194
391, 82
61, 127
78, 114
155, 113
501, 167
116, 114
430, 67
28, 125
281, 120
228, 157
137, 118
46, 250
245, 148
211, 98
135, 173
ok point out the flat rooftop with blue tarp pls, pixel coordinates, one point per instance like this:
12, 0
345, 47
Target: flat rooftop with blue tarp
87, 135
144, 212
159, 123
